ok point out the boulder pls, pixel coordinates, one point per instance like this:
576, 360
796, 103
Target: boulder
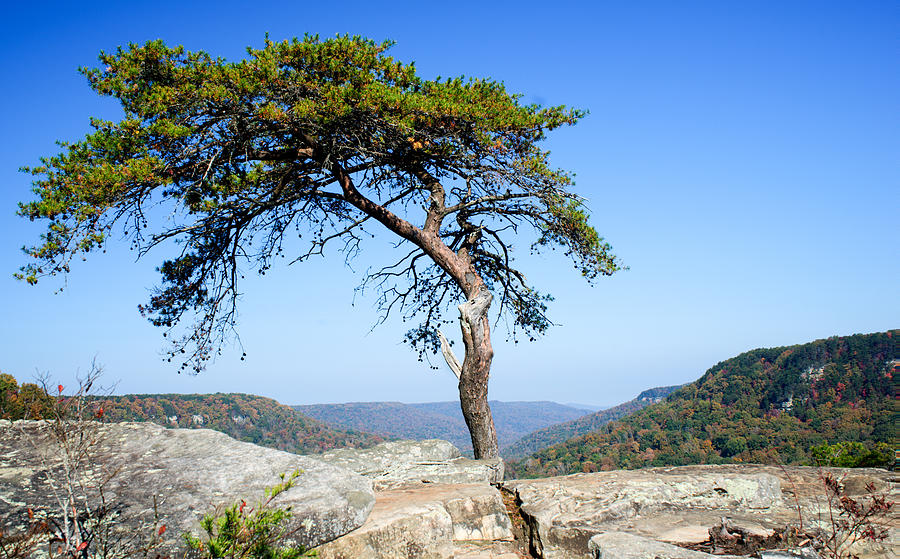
179, 475
433, 522
679, 505
621, 545
398, 464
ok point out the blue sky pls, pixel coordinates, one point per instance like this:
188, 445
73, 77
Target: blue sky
741, 157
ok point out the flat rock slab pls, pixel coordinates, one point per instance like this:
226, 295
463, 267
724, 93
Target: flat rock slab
186, 473
431, 522
398, 464
621, 545
678, 505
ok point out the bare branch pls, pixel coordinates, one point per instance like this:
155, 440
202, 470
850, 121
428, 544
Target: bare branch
451, 359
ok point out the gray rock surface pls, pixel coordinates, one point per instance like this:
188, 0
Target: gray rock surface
186, 473
621, 545
397, 464
386, 455
433, 522
678, 505
804, 553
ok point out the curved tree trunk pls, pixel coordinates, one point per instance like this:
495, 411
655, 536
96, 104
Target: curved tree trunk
474, 373
473, 314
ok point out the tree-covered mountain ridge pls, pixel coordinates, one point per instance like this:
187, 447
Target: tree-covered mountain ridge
768, 405
560, 432
440, 420
245, 417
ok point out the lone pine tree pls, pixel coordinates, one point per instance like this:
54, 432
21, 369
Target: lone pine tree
322, 139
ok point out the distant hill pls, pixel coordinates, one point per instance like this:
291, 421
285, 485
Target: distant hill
390, 419
560, 432
763, 406
513, 419
244, 417
588, 407
442, 420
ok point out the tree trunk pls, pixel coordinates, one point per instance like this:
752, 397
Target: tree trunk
473, 378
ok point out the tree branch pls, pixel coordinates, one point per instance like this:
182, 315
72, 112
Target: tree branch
436, 210
485, 199
451, 359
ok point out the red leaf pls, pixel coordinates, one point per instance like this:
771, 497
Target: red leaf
162, 530
81, 546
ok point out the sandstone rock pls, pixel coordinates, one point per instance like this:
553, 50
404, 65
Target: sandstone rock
856, 484
621, 545
805, 553
186, 473
397, 464
385, 455
430, 521
680, 504
565, 512
488, 550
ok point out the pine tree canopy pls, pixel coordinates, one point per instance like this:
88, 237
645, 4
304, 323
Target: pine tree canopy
326, 140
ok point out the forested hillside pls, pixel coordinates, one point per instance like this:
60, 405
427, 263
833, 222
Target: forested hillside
391, 419
766, 405
554, 434
243, 416
441, 420
514, 419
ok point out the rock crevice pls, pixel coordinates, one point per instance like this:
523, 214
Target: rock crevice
679, 506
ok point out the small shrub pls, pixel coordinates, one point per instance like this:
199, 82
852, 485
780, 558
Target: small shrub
239, 531
843, 520
81, 524
851, 520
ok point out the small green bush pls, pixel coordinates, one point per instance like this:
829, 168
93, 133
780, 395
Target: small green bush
853, 455
242, 532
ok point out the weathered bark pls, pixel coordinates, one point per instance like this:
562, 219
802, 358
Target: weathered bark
476, 369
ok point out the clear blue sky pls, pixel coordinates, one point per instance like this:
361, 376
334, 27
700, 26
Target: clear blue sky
741, 157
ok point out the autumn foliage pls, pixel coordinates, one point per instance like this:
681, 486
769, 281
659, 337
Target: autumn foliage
830, 401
